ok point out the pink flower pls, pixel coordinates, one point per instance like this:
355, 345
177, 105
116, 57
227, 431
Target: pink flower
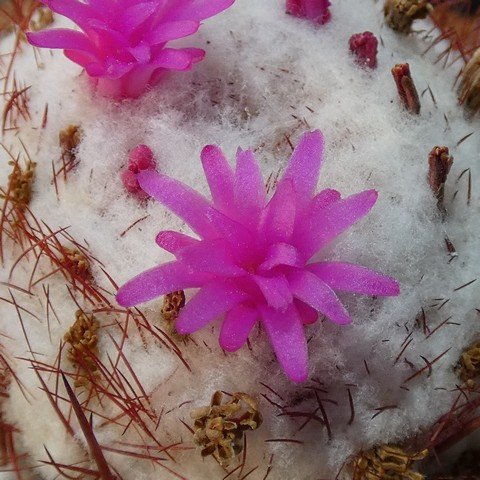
140, 158
252, 260
122, 45
315, 10
364, 46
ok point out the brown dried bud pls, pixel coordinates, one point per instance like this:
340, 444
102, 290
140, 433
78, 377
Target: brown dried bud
387, 462
406, 87
76, 263
172, 304
83, 338
69, 139
440, 162
220, 428
469, 92
469, 365
400, 14
20, 184
43, 18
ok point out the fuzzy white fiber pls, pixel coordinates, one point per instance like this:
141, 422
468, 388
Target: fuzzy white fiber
266, 76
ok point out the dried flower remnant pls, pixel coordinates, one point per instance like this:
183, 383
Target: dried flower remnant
69, 139
122, 45
406, 87
364, 46
440, 162
469, 365
172, 304
315, 10
42, 19
19, 190
251, 261
387, 463
400, 14
470, 85
77, 263
140, 158
220, 427
82, 338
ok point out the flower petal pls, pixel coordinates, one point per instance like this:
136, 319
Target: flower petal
174, 241
279, 217
133, 16
323, 225
61, 38
308, 288
355, 278
308, 314
219, 176
211, 302
197, 9
325, 198
212, 256
180, 199
79, 12
249, 188
281, 254
173, 59
237, 327
157, 281
304, 166
287, 337
276, 290
167, 31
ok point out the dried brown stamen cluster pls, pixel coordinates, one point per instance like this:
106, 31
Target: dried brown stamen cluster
387, 463
220, 427
470, 85
69, 139
406, 87
400, 14
469, 365
440, 162
19, 190
82, 338
43, 18
77, 263
172, 304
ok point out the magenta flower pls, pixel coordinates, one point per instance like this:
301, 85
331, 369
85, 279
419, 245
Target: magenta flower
251, 261
122, 45
364, 46
315, 10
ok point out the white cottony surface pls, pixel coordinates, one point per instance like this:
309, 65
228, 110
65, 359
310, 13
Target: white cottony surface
263, 68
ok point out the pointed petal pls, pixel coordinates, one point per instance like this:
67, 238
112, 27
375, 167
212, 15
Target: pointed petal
61, 38
325, 198
197, 9
80, 13
281, 254
211, 256
287, 337
165, 32
308, 314
86, 60
250, 190
279, 219
173, 59
308, 288
157, 281
276, 290
133, 16
304, 166
174, 241
347, 277
323, 225
180, 199
237, 327
219, 176
211, 302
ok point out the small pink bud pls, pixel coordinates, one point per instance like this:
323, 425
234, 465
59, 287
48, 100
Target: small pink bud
315, 10
364, 46
141, 158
